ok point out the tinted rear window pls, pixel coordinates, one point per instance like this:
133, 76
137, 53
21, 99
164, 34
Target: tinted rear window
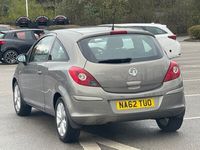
154, 30
134, 47
24, 35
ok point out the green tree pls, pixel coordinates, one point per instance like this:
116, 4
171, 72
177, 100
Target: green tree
17, 9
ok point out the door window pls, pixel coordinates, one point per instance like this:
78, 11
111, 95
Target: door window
40, 52
38, 33
58, 53
24, 35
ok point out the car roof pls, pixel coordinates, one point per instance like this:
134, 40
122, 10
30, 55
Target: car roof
17, 30
136, 24
77, 34
4, 25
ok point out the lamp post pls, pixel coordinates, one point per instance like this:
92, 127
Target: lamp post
26, 8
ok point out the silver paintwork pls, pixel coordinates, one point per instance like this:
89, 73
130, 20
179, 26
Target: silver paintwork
95, 105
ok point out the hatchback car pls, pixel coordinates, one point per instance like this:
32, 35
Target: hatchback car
92, 76
15, 42
5, 27
165, 37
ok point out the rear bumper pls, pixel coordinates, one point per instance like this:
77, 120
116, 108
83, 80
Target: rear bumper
100, 111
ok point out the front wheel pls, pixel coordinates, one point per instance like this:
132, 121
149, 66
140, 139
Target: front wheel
21, 108
170, 124
66, 132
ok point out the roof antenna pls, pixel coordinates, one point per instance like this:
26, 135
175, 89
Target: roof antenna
113, 19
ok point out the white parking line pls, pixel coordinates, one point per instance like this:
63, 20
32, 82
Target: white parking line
191, 80
190, 66
190, 71
90, 145
192, 95
192, 118
92, 140
115, 145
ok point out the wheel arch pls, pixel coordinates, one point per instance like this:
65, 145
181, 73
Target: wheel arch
55, 98
11, 48
14, 80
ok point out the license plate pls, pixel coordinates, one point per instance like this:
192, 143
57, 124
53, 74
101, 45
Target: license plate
135, 104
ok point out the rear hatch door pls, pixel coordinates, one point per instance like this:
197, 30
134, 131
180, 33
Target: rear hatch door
125, 63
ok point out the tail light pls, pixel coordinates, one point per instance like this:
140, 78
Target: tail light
172, 37
82, 77
118, 32
173, 72
2, 42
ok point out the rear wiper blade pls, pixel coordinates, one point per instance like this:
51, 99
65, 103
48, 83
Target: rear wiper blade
116, 61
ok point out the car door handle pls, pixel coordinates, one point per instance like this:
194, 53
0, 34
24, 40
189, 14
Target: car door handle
39, 72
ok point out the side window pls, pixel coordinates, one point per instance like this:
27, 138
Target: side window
149, 47
154, 30
41, 50
23, 35
58, 53
128, 43
38, 33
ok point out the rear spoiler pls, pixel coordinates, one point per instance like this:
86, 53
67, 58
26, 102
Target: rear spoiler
111, 32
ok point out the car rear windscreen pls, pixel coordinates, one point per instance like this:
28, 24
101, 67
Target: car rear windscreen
120, 48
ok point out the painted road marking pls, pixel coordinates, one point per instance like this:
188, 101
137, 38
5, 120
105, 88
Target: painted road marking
192, 95
192, 118
190, 66
191, 80
189, 71
91, 144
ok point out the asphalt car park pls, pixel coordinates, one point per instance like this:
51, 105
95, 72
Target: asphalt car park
38, 130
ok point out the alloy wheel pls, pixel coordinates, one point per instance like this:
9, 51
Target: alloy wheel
10, 57
61, 120
17, 98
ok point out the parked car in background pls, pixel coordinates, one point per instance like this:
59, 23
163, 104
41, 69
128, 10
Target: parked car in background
92, 76
165, 37
4, 27
15, 42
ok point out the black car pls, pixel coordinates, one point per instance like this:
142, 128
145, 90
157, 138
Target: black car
15, 42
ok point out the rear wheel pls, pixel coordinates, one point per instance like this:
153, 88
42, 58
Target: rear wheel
21, 108
65, 131
170, 124
10, 57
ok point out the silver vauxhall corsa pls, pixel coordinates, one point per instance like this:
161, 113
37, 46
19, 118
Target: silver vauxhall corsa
91, 76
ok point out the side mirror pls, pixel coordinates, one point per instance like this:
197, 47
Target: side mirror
21, 58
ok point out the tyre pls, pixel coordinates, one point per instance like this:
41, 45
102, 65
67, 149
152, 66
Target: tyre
170, 124
66, 133
21, 108
10, 57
